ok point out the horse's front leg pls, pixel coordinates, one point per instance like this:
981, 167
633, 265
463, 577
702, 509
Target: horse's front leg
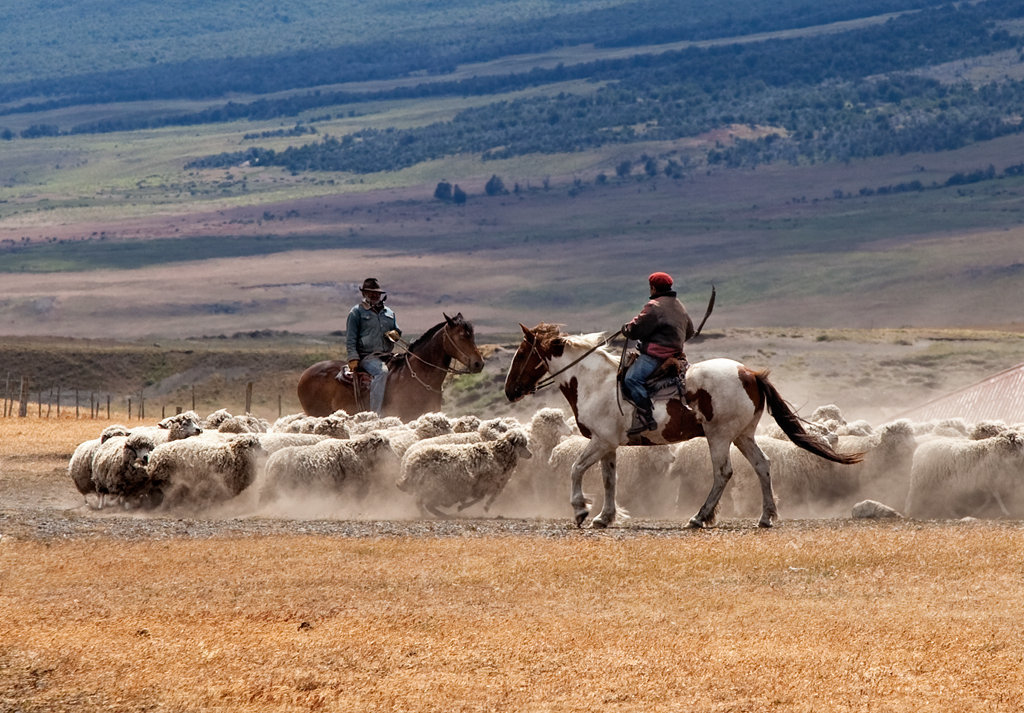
590, 455
608, 510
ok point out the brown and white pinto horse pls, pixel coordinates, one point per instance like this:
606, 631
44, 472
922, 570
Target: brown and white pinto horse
414, 378
726, 398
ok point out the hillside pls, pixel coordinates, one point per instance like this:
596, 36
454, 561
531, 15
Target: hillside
821, 165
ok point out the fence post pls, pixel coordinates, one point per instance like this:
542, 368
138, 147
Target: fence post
129, 409
279, 412
193, 397
76, 402
7, 393
58, 400
248, 397
23, 399
142, 406
108, 407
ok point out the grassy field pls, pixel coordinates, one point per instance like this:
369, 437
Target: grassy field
813, 616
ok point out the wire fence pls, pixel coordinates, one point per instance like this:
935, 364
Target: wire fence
21, 400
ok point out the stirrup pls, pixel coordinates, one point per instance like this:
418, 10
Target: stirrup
642, 421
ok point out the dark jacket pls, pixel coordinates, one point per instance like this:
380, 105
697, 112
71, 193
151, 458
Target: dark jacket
662, 327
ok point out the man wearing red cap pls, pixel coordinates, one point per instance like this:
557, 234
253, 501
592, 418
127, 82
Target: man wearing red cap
662, 327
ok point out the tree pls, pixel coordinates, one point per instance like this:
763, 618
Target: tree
458, 195
495, 186
624, 168
443, 192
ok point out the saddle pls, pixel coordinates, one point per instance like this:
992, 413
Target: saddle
666, 382
348, 377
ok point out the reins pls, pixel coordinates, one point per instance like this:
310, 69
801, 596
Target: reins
551, 378
448, 370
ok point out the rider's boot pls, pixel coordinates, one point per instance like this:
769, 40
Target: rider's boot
643, 420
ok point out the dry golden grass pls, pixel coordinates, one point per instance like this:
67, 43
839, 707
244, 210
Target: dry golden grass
804, 618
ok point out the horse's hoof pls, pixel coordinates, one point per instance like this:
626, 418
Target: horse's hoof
599, 523
581, 515
765, 523
695, 524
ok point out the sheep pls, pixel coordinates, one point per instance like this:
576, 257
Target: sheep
462, 474
987, 429
245, 423
119, 467
273, 442
213, 421
546, 429
952, 477
466, 424
327, 466
80, 465
203, 470
641, 476
173, 428
427, 426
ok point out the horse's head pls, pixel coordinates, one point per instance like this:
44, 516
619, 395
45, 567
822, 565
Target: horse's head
460, 345
530, 362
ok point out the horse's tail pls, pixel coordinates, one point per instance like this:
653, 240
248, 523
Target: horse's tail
792, 425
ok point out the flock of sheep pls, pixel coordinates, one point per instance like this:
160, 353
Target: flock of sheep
441, 465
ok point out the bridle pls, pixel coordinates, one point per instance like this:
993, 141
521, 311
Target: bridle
462, 358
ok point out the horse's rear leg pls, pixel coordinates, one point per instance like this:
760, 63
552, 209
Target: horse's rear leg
762, 466
722, 468
590, 455
608, 509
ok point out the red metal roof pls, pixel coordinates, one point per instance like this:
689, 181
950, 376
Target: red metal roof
998, 397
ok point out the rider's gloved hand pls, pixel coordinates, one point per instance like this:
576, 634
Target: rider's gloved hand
394, 335
353, 364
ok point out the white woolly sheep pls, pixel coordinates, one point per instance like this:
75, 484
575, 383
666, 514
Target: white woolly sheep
642, 477
531, 481
213, 420
173, 428
80, 465
244, 423
273, 442
953, 477
328, 467
205, 470
442, 476
119, 467
465, 424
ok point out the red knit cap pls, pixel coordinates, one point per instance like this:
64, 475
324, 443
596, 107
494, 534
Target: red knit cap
660, 281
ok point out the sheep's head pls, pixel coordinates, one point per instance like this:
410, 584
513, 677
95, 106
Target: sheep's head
115, 429
466, 424
182, 425
137, 448
1011, 443
517, 438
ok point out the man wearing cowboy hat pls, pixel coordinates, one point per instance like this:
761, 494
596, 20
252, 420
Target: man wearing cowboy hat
662, 327
371, 332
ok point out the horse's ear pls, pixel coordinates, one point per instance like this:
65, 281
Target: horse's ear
448, 319
530, 336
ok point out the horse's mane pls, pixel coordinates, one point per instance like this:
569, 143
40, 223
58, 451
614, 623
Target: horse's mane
546, 333
429, 334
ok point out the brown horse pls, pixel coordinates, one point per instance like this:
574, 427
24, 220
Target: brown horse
414, 378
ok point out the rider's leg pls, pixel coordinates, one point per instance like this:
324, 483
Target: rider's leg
634, 384
377, 369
